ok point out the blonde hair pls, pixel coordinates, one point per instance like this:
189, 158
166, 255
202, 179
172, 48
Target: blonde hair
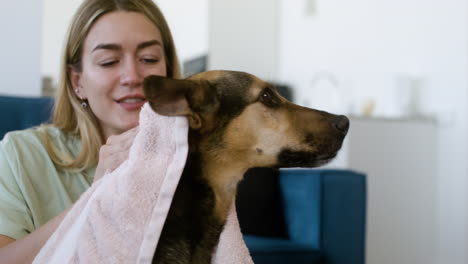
69, 115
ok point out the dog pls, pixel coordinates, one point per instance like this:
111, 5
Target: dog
236, 122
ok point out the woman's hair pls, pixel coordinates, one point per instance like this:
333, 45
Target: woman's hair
69, 115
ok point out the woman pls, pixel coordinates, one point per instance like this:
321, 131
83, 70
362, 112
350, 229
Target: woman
110, 47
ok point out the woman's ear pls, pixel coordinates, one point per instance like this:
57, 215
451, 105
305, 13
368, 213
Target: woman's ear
75, 79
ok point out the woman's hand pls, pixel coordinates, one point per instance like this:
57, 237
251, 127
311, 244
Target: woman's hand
114, 152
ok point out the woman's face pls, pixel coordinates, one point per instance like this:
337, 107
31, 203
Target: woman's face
121, 49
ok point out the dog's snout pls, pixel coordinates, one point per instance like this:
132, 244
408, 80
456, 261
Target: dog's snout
341, 123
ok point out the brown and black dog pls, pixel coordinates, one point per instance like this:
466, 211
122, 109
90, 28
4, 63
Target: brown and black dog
237, 122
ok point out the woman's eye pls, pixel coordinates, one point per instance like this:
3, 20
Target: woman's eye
150, 60
108, 63
268, 98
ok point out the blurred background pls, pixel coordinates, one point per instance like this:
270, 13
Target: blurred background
398, 68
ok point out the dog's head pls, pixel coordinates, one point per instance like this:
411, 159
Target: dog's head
244, 117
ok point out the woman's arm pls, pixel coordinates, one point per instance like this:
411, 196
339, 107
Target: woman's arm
25, 249
5, 240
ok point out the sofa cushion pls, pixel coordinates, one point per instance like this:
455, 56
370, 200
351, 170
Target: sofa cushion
270, 250
259, 205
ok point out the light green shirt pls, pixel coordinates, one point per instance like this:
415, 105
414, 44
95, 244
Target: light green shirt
32, 189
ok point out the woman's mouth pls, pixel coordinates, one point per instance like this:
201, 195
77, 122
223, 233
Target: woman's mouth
132, 104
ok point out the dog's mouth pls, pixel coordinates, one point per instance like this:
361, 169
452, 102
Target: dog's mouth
288, 158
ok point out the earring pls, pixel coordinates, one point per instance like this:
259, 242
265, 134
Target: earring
84, 104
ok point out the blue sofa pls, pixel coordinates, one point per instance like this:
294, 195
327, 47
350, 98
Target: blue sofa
307, 216
23, 112
324, 214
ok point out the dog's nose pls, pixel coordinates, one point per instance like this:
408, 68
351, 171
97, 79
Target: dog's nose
342, 124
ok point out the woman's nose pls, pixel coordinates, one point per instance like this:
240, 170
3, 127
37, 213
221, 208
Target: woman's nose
131, 75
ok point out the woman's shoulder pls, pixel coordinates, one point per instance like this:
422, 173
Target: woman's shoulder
36, 139
27, 138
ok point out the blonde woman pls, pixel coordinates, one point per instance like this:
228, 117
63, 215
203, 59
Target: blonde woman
110, 47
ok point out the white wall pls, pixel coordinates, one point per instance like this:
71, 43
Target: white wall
56, 17
20, 28
368, 45
189, 22
244, 41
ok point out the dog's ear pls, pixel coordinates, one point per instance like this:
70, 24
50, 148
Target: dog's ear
167, 96
174, 97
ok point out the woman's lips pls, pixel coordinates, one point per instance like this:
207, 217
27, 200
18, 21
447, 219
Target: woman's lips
131, 104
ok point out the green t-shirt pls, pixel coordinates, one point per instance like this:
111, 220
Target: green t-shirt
32, 189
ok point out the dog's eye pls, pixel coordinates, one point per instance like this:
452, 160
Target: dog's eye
268, 98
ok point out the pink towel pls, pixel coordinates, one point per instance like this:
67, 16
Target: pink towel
120, 218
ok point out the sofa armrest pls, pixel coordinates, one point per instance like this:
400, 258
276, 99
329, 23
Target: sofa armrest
326, 209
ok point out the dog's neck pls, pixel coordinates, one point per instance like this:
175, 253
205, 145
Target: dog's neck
223, 174
221, 170
224, 180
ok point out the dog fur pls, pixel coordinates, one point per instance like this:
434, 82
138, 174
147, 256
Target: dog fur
237, 122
